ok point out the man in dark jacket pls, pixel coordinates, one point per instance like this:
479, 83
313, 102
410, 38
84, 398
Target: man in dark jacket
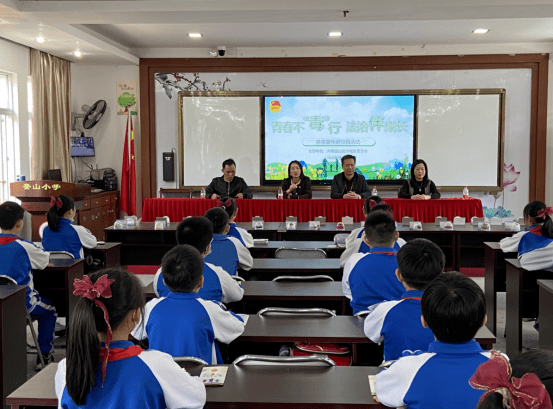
349, 184
228, 184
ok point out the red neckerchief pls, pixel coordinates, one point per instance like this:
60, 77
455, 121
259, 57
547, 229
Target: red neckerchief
388, 253
536, 230
411, 298
7, 240
117, 354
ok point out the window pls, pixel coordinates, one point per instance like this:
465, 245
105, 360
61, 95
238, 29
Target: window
9, 145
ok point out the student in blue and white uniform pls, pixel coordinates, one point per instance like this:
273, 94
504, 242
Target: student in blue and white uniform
531, 220
398, 323
228, 204
358, 245
18, 258
369, 278
226, 251
60, 234
454, 308
99, 373
182, 324
357, 233
218, 284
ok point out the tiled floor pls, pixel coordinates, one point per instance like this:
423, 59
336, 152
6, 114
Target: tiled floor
529, 334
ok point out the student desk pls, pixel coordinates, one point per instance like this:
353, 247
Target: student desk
546, 314
56, 283
267, 293
13, 347
268, 250
109, 254
522, 291
325, 233
143, 245
265, 269
338, 329
494, 281
247, 387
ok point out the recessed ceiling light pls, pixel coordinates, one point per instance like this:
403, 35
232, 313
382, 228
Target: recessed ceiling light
40, 39
77, 53
334, 34
480, 31
195, 35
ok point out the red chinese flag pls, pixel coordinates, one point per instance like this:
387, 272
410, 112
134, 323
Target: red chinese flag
132, 173
125, 206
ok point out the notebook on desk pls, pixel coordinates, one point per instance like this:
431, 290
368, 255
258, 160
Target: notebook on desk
214, 375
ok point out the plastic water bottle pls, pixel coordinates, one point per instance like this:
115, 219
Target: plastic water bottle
280, 193
202, 193
465, 193
374, 192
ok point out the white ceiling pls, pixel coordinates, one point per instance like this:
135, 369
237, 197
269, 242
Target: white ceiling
118, 32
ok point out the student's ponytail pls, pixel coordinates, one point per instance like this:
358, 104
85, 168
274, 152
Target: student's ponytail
228, 205
547, 226
492, 401
87, 320
60, 205
370, 202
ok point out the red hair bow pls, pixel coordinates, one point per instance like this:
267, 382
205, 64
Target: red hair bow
548, 211
101, 288
495, 375
372, 204
56, 202
224, 205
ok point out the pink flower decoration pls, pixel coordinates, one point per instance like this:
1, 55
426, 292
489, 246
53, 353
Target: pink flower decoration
510, 176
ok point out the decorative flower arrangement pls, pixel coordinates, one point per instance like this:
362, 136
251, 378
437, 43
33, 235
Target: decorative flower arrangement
510, 176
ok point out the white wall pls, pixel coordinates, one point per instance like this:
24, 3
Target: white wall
88, 85
14, 58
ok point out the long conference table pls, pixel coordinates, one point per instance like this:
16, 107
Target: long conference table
273, 210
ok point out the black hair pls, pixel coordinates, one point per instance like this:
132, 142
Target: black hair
419, 262
56, 212
376, 199
538, 362
380, 228
229, 209
182, 268
87, 320
10, 213
346, 157
297, 162
454, 307
195, 231
219, 218
383, 207
532, 209
415, 163
228, 162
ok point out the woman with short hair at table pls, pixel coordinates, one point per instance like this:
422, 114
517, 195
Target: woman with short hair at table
419, 187
296, 185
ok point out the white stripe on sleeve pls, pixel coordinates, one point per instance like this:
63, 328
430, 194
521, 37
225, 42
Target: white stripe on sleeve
350, 264
375, 320
156, 278
247, 237
179, 388
232, 290
352, 236
245, 259
139, 332
539, 259
393, 383
349, 251
59, 381
510, 244
226, 325
88, 240
38, 257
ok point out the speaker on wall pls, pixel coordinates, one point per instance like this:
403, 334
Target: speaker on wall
168, 166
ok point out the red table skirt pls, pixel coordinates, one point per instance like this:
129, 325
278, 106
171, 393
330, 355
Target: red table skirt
274, 210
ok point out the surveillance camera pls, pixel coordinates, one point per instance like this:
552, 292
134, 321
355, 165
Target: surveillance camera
221, 50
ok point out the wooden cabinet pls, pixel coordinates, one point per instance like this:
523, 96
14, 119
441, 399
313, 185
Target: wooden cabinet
98, 212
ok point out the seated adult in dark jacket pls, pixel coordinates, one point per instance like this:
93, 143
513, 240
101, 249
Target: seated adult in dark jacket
419, 187
296, 185
349, 184
228, 184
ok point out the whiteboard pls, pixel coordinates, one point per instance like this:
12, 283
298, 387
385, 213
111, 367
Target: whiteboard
459, 138
215, 128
